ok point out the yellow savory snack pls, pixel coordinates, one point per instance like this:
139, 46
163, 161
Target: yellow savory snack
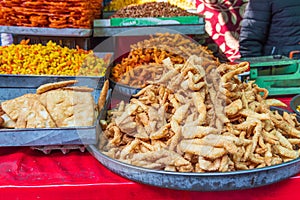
50, 59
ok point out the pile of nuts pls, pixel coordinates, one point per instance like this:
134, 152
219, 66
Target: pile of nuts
152, 9
114, 5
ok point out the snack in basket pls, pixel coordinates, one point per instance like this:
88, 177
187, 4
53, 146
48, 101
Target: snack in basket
54, 105
201, 119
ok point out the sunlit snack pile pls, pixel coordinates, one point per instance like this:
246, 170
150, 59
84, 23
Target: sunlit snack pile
119, 4
198, 118
144, 61
151, 9
51, 13
54, 105
50, 59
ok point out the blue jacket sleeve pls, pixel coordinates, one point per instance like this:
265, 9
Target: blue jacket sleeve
254, 28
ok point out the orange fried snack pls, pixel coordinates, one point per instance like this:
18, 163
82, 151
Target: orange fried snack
52, 13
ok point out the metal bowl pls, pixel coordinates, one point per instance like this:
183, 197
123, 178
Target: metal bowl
294, 103
216, 181
122, 89
208, 181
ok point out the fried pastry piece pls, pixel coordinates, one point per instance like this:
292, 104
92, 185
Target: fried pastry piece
28, 112
103, 94
7, 122
69, 108
56, 85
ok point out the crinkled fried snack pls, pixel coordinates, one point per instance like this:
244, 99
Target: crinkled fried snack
201, 118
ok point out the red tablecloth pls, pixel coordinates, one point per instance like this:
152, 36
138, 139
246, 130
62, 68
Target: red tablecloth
29, 174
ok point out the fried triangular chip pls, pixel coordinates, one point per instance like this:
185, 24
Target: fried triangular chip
28, 112
69, 108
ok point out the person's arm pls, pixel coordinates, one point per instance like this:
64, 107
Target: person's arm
254, 28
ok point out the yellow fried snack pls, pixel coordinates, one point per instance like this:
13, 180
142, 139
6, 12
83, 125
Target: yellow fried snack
50, 59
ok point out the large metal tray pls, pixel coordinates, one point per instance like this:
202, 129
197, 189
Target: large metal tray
222, 181
45, 31
49, 136
46, 136
12, 86
216, 181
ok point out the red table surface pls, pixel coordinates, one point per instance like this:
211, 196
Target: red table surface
30, 174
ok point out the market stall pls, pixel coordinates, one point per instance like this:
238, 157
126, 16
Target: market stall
159, 120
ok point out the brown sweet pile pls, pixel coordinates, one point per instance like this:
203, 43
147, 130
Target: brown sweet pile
52, 13
152, 9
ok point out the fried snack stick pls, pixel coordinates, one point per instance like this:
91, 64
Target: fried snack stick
1, 121
103, 94
51, 86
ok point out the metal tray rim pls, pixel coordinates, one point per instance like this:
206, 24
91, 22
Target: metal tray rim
210, 181
47, 76
239, 172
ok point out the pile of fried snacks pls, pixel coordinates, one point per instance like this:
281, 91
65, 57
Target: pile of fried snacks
153, 51
51, 13
118, 4
201, 119
50, 59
